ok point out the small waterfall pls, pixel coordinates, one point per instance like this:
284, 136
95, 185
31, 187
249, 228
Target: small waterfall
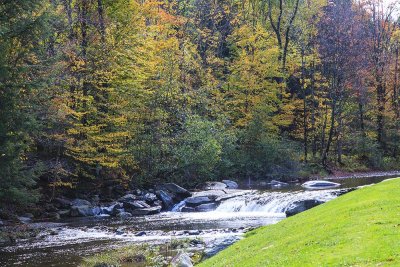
272, 202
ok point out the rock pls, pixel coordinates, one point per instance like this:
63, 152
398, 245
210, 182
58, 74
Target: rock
119, 231
1, 223
62, 203
197, 200
182, 260
150, 198
124, 215
230, 184
219, 245
211, 194
300, 206
128, 198
142, 233
23, 219
213, 186
167, 199
206, 207
63, 213
188, 209
137, 204
175, 189
146, 211
113, 209
81, 211
80, 202
193, 232
275, 183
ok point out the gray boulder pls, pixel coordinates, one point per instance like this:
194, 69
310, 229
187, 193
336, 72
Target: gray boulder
300, 206
137, 204
230, 184
166, 198
182, 260
127, 198
175, 189
150, 198
81, 211
146, 211
80, 202
188, 209
23, 219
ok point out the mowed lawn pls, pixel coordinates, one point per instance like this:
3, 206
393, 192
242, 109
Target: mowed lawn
361, 228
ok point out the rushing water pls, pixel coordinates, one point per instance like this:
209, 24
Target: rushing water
64, 243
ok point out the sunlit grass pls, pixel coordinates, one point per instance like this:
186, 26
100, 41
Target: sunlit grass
361, 228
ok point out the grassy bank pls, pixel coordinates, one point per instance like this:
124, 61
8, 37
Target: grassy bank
361, 228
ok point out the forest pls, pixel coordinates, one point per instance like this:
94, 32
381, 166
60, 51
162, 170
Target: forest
132, 93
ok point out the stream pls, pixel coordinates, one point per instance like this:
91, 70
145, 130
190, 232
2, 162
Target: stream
65, 242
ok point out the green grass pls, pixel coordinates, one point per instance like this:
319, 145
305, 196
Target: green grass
361, 228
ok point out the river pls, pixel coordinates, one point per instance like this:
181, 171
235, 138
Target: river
64, 243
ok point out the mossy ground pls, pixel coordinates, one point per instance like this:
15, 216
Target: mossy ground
361, 228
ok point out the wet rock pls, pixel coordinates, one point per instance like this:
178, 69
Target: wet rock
206, 207
182, 260
188, 209
150, 198
211, 194
81, 211
340, 192
1, 223
275, 183
142, 233
213, 186
219, 245
146, 211
137, 204
176, 190
80, 202
113, 209
230, 184
197, 200
300, 206
119, 231
166, 198
193, 232
124, 215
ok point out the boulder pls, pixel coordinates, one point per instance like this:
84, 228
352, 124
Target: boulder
302, 205
137, 204
81, 211
206, 207
80, 202
146, 211
188, 209
197, 200
213, 186
113, 209
150, 198
230, 184
219, 245
211, 194
175, 189
182, 260
64, 213
124, 215
166, 198
127, 198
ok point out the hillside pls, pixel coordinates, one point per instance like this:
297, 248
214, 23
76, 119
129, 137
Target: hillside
358, 229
